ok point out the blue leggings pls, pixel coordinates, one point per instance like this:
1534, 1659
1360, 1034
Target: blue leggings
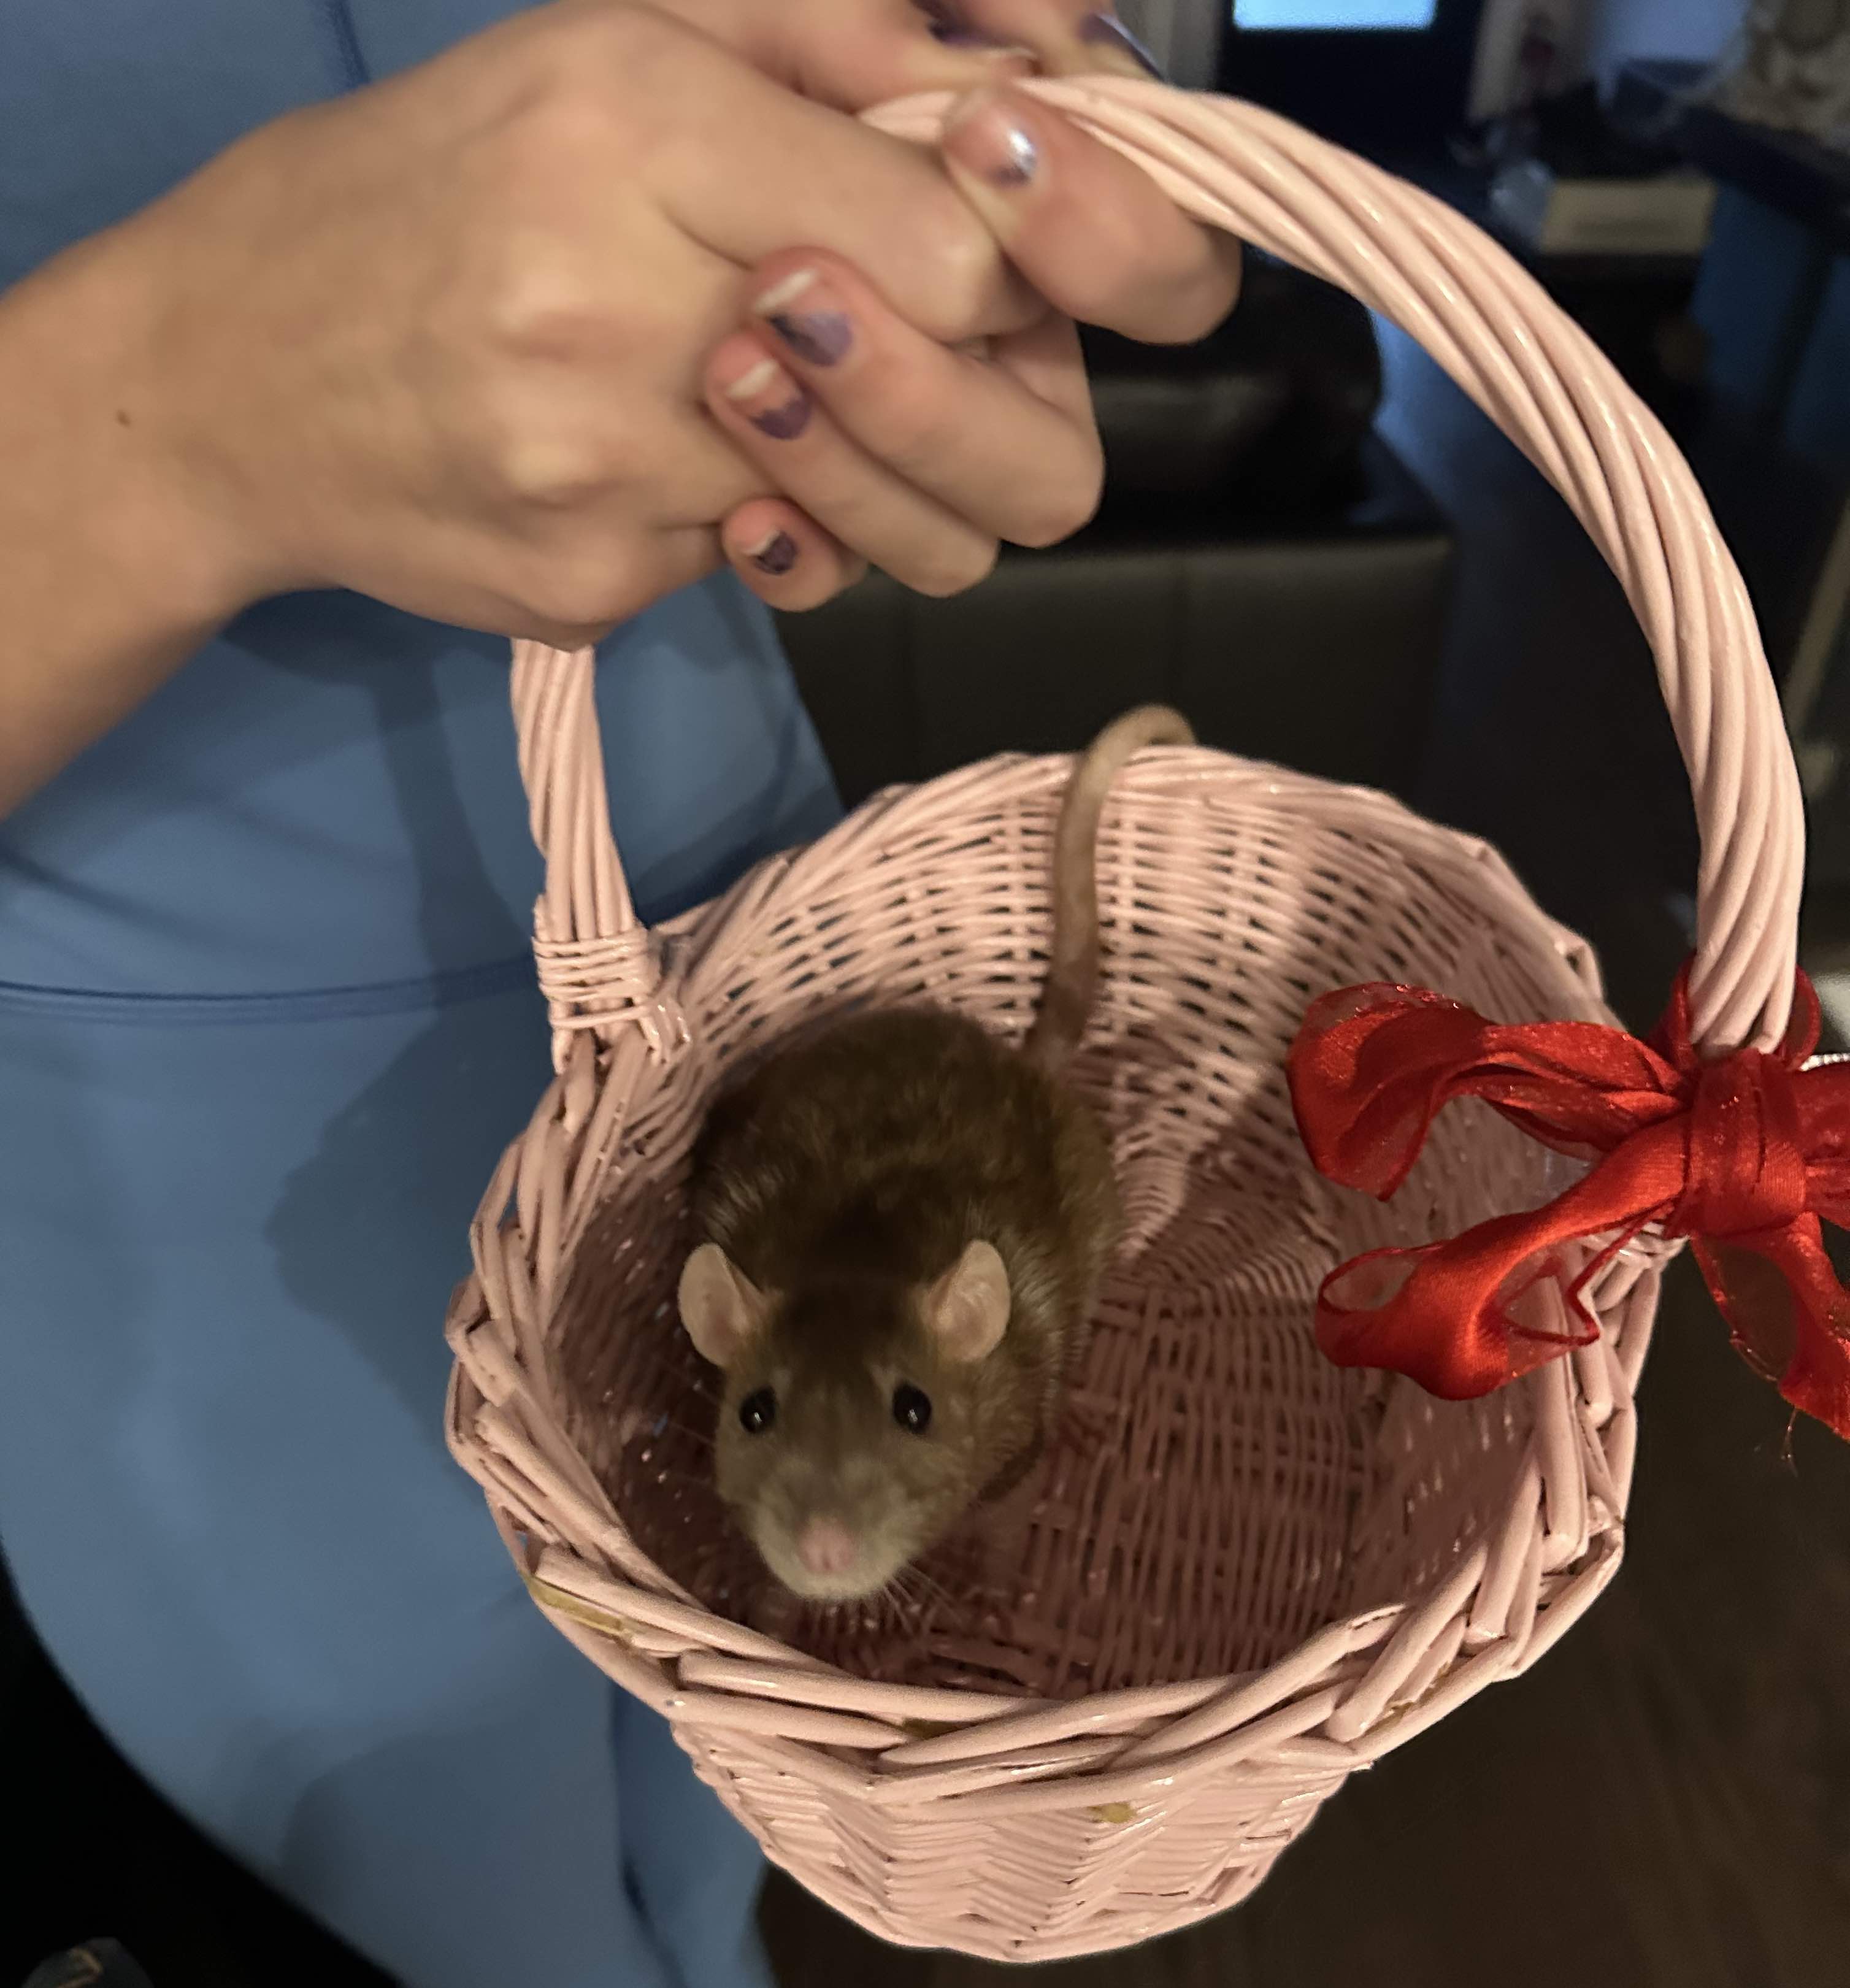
227, 1235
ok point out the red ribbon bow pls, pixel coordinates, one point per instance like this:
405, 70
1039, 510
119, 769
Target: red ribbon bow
1743, 1156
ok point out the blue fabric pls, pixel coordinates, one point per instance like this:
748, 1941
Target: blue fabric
266, 1023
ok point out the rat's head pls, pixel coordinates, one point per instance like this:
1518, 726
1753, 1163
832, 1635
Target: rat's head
849, 1435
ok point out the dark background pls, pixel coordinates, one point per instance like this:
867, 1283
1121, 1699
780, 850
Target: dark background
1666, 1799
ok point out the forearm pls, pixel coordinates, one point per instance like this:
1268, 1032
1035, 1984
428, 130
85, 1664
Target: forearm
110, 571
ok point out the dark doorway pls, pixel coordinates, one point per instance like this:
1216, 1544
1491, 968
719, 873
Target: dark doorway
1393, 89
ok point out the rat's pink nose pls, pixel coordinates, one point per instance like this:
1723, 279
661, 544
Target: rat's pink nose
826, 1547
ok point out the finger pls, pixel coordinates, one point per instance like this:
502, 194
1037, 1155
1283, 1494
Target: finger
745, 167
1094, 233
780, 424
558, 450
1047, 360
977, 437
1069, 37
855, 56
785, 558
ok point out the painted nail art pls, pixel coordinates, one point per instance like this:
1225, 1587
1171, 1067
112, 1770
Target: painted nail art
945, 24
775, 554
771, 400
784, 424
942, 18
1106, 30
967, 42
987, 140
820, 333
1022, 160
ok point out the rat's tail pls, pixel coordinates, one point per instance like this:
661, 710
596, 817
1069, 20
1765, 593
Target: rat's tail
1065, 1003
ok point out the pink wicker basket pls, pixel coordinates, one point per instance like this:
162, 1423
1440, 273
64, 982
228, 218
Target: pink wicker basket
1244, 1573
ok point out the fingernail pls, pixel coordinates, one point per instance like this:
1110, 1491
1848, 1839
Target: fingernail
984, 135
1106, 30
945, 24
820, 333
775, 553
770, 399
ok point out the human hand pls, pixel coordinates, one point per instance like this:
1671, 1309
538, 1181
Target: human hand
440, 341
1094, 235
907, 454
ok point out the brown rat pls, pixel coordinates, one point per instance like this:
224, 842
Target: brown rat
907, 1221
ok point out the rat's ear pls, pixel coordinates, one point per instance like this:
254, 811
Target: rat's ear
968, 1308
720, 1306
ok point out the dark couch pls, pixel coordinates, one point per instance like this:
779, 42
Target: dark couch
1260, 559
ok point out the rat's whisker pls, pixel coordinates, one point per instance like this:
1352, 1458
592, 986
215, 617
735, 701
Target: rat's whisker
926, 1582
913, 1587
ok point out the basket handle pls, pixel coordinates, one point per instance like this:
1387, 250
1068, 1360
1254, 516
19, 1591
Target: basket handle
1545, 384
597, 964
1533, 371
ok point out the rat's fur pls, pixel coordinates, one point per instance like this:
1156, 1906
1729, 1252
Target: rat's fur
845, 1177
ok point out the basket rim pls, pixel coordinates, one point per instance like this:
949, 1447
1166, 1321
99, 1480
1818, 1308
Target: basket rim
903, 808
694, 969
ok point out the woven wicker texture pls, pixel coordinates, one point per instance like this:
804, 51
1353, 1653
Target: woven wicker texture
1241, 1573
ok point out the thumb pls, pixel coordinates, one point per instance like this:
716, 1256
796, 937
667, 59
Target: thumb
1093, 233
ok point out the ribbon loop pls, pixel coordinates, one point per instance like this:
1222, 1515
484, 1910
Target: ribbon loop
1743, 1155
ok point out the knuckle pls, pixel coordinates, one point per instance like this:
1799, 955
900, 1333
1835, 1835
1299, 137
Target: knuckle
910, 428
568, 634
1153, 276
1096, 261
587, 45
557, 122
955, 569
1106, 290
957, 263
549, 467
538, 303
1168, 287
1072, 502
594, 81
529, 282
1187, 314
540, 446
1068, 510
580, 592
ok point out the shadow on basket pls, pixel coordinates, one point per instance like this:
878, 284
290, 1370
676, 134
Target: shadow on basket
1241, 1570
1218, 1492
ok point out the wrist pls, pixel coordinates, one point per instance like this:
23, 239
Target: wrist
88, 443
113, 569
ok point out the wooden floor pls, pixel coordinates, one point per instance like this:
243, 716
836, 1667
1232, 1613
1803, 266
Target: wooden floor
1665, 1802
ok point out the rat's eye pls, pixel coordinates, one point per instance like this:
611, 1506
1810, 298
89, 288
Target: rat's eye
757, 1411
911, 1408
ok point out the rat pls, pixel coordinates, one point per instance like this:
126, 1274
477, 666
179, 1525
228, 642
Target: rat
906, 1221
